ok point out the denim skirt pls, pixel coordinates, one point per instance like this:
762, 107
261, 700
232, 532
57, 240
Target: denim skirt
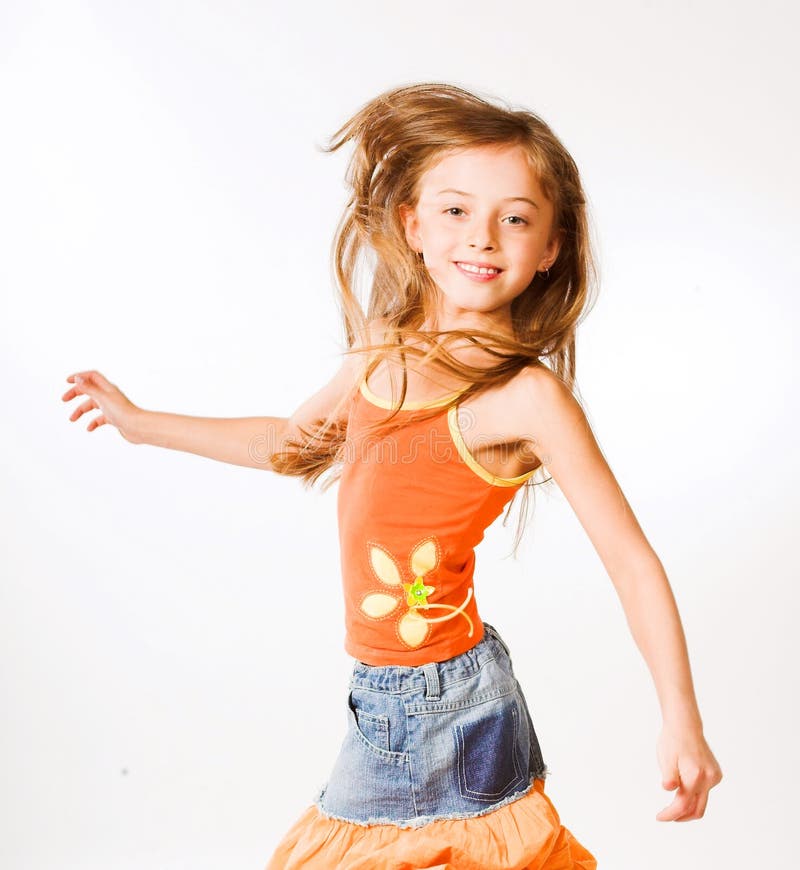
444, 740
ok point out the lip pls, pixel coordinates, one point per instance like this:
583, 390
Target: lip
474, 276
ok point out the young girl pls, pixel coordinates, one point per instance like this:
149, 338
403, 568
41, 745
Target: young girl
456, 389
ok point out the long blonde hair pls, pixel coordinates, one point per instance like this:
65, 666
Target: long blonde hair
397, 137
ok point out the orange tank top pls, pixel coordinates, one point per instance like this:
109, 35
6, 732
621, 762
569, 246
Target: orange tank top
412, 506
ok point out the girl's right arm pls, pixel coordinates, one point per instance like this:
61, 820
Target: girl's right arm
246, 441
227, 440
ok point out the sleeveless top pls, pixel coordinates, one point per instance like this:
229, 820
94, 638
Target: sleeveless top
412, 506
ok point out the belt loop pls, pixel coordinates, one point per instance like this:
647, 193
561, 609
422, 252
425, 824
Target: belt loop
432, 688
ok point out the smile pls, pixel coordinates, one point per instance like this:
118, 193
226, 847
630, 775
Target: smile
480, 272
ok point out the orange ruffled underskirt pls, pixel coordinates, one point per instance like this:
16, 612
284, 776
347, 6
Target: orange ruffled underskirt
525, 834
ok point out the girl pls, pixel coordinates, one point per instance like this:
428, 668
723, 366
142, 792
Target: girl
456, 389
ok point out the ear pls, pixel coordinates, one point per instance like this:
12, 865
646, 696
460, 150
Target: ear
551, 251
408, 217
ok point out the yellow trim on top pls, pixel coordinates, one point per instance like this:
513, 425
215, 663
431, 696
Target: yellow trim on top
455, 433
463, 451
407, 405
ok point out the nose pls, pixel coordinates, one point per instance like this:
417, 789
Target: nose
480, 235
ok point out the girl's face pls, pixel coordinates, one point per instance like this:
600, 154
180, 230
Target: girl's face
481, 207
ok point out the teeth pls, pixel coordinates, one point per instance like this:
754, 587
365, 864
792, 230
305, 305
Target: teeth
478, 270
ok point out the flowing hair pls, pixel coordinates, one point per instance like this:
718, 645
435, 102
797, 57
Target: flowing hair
397, 137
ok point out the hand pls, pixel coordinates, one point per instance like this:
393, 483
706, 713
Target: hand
114, 406
687, 764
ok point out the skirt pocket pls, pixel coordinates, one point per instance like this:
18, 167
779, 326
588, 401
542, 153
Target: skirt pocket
371, 728
491, 763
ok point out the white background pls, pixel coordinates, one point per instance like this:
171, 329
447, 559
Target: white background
173, 678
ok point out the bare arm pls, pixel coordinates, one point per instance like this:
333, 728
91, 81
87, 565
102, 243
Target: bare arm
564, 442
248, 441
245, 441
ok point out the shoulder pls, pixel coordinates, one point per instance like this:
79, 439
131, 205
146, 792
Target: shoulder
331, 401
539, 384
544, 406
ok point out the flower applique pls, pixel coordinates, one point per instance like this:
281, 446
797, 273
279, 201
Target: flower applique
413, 628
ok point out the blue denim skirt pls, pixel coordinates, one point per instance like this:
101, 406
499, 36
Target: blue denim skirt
444, 740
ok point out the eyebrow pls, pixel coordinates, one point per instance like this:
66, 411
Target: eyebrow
507, 199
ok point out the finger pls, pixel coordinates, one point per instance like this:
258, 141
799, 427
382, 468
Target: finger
84, 383
77, 380
702, 800
692, 785
691, 810
82, 409
98, 421
699, 801
101, 380
73, 393
689, 800
676, 809
671, 778
94, 377
78, 389
670, 812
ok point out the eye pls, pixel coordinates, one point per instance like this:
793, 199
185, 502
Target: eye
517, 217
453, 208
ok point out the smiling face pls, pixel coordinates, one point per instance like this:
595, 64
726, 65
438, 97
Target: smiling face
482, 206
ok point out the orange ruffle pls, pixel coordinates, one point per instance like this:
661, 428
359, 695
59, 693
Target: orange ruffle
525, 834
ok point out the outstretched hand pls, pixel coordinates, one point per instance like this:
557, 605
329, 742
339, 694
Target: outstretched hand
688, 764
114, 406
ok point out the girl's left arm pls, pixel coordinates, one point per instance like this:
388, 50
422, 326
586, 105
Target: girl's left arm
559, 434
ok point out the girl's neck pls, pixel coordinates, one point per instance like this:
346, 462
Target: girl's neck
499, 325
462, 349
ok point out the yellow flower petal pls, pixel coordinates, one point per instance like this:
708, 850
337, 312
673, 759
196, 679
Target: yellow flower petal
424, 557
378, 604
413, 629
385, 566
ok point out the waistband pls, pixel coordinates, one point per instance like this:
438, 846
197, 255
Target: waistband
396, 679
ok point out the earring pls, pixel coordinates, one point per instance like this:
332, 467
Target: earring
545, 274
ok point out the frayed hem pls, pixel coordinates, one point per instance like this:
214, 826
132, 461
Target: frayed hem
420, 821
